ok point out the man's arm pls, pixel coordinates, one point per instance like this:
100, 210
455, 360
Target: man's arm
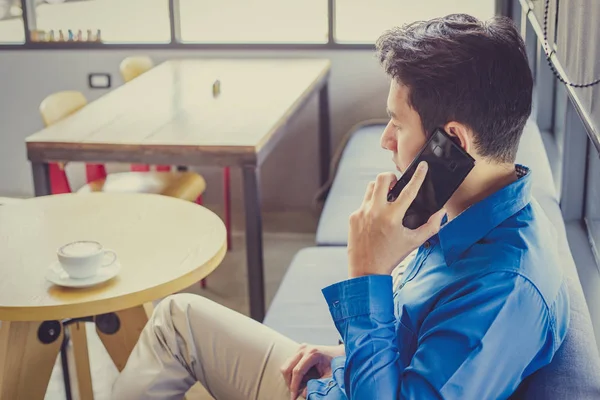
481, 342
363, 312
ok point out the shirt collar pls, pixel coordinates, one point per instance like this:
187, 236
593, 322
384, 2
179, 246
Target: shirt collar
475, 222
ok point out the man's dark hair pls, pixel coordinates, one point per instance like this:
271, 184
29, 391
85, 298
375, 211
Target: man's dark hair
458, 68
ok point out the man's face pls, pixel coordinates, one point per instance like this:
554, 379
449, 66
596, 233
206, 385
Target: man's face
404, 135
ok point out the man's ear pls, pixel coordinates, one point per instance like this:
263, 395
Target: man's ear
461, 133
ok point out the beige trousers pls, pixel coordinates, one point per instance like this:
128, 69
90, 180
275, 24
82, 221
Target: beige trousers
190, 339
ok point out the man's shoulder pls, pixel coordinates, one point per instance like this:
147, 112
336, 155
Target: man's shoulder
524, 243
524, 246
504, 278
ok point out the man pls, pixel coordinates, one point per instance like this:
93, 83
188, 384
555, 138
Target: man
482, 305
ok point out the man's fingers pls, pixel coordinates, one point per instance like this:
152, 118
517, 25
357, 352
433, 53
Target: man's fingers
431, 227
409, 193
305, 392
298, 372
383, 184
368, 193
288, 367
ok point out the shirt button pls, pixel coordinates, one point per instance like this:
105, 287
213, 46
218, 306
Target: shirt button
426, 244
330, 384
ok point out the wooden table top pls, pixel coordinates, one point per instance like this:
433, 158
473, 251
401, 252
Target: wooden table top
163, 244
169, 114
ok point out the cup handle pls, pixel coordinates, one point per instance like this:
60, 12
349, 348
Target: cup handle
114, 257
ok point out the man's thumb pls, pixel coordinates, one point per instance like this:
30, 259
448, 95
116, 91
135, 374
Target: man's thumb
432, 226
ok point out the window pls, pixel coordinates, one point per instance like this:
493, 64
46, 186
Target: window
256, 21
360, 21
119, 21
11, 22
592, 203
221, 21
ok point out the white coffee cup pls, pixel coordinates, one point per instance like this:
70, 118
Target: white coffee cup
83, 259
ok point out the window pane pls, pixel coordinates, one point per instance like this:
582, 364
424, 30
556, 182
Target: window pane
360, 21
253, 21
592, 203
120, 21
11, 22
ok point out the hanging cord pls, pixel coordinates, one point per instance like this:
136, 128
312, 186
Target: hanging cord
549, 53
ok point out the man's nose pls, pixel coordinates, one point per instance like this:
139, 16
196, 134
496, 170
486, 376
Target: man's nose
387, 140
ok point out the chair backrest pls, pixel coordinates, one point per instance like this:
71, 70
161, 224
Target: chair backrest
60, 105
132, 67
54, 108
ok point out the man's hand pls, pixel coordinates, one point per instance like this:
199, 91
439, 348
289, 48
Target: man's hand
296, 368
378, 240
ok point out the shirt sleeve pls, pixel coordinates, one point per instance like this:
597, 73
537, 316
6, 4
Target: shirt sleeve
480, 341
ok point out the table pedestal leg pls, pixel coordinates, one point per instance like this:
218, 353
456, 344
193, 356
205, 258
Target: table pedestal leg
121, 330
82, 361
28, 351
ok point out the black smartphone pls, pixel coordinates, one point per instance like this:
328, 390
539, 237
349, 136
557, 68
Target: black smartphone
448, 164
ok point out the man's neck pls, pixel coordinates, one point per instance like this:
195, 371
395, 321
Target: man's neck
486, 178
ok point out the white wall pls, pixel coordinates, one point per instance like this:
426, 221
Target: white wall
358, 89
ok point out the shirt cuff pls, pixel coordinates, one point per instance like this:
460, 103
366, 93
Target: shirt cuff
366, 295
337, 363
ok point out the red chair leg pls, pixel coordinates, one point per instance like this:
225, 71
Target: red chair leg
140, 168
59, 183
94, 172
227, 198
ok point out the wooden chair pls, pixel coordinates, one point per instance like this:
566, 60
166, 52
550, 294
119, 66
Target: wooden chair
131, 68
53, 109
184, 185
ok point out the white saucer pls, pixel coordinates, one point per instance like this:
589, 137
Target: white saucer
57, 275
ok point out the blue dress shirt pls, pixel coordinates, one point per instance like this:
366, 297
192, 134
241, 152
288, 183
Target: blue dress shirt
483, 305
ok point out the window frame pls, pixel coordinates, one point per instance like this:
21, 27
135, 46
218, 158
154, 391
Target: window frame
502, 7
561, 114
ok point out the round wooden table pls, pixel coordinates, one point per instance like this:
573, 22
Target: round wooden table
163, 244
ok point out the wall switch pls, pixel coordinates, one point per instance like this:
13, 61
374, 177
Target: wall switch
99, 81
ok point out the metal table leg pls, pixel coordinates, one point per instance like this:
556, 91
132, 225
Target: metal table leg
324, 134
41, 178
254, 243
64, 360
